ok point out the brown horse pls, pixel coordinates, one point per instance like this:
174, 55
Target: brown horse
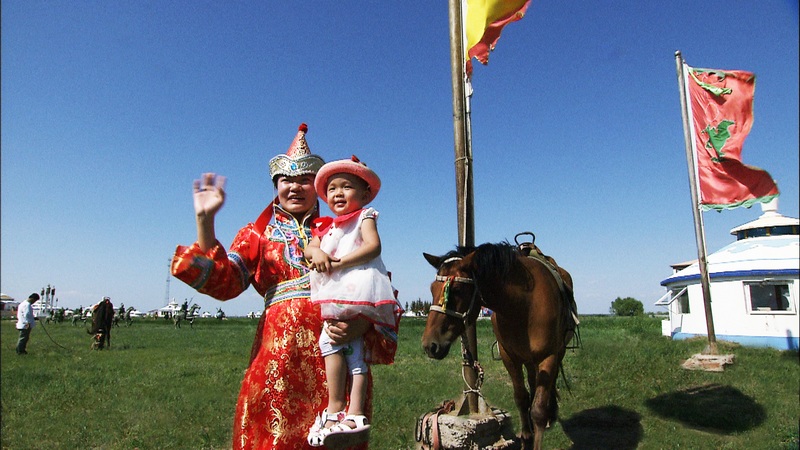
102, 320
532, 304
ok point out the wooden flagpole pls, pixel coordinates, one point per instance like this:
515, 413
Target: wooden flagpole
699, 231
464, 190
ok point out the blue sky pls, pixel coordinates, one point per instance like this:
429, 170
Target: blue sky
111, 109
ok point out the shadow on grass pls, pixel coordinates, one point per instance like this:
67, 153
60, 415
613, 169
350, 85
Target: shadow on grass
606, 427
712, 407
791, 354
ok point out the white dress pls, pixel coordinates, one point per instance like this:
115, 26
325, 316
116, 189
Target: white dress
359, 291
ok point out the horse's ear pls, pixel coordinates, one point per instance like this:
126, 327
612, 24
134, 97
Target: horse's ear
467, 264
435, 261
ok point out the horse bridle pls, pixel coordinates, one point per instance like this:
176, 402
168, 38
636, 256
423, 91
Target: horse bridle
442, 306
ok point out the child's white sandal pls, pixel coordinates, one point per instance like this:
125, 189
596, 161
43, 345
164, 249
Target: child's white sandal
317, 433
342, 435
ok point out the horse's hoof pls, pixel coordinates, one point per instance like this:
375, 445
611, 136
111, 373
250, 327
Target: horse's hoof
527, 442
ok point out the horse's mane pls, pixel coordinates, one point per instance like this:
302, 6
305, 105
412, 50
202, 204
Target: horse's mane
490, 260
494, 260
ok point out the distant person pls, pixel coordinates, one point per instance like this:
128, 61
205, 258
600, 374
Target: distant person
348, 281
26, 320
283, 390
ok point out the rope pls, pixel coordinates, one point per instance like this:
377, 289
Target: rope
467, 360
51, 338
427, 432
467, 161
478, 382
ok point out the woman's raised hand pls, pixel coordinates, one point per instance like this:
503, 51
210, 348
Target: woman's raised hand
209, 195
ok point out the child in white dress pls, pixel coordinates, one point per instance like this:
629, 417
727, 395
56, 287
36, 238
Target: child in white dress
348, 281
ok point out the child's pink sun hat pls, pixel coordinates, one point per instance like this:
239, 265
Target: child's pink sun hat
352, 166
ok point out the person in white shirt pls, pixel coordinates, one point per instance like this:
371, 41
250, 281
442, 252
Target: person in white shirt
25, 322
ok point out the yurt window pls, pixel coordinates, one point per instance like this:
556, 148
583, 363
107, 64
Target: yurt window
683, 302
682, 297
768, 296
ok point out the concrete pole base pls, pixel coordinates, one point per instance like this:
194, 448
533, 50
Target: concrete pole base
491, 429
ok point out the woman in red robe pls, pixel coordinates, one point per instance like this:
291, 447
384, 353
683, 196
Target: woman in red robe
284, 388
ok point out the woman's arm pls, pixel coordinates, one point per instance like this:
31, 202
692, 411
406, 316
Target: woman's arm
209, 196
342, 332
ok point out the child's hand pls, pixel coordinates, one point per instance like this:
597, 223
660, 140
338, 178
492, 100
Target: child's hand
320, 261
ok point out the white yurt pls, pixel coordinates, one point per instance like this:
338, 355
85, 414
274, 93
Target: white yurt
171, 308
753, 284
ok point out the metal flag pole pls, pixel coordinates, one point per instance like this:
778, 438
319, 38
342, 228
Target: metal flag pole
464, 190
699, 231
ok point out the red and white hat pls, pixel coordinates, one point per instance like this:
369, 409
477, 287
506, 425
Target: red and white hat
298, 160
352, 166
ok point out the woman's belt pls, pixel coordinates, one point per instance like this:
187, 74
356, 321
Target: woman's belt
288, 290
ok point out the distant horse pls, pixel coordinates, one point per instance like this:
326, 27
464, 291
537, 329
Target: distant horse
102, 321
127, 317
123, 315
77, 315
534, 319
119, 315
189, 316
55, 316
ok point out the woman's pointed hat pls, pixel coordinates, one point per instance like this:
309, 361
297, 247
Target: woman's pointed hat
298, 160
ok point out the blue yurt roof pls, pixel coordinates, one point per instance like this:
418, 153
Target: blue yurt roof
767, 256
766, 247
769, 224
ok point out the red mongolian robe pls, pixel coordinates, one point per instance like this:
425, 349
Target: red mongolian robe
284, 385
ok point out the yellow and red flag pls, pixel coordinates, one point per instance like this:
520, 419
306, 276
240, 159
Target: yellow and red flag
484, 22
721, 116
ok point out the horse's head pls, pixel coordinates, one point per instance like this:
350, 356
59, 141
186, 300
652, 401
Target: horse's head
456, 301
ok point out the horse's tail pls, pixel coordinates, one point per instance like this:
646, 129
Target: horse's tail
570, 310
572, 334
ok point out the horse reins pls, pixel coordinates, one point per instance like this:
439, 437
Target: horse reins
468, 360
445, 297
51, 338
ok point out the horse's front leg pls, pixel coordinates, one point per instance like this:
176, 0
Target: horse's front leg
522, 398
544, 409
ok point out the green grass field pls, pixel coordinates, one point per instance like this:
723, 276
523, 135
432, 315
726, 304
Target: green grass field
162, 388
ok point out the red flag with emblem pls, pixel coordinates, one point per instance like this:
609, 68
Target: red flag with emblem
721, 108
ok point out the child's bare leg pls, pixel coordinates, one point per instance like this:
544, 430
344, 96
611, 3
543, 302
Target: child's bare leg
358, 395
336, 372
354, 429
